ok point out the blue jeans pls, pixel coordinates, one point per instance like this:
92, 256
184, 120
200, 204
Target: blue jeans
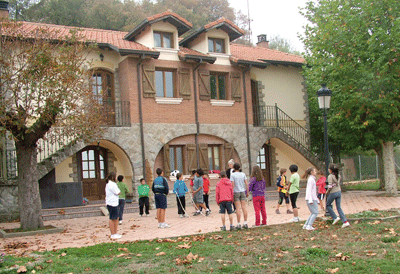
337, 196
314, 212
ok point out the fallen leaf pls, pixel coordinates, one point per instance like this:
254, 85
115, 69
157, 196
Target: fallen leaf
161, 254
332, 270
339, 255
230, 236
376, 222
49, 261
122, 255
184, 246
123, 249
22, 269
250, 239
87, 269
201, 259
279, 255
375, 209
138, 255
245, 254
33, 271
298, 246
334, 236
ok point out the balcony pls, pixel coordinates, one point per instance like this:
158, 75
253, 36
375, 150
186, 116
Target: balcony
116, 114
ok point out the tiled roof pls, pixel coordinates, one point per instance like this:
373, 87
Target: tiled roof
223, 20
187, 51
166, 13
114, 38
190, 54
260, 54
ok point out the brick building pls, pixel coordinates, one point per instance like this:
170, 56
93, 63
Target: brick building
184, 103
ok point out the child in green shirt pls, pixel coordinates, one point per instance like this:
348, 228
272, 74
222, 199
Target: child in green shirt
143, 191
124, 189
294, 189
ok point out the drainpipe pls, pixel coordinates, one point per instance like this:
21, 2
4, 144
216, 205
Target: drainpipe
196, 113
247, 116
141, 58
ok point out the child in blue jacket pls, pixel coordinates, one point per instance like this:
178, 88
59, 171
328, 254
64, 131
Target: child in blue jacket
180, 190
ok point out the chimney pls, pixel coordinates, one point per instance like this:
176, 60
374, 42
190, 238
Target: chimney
262, 41
3, 9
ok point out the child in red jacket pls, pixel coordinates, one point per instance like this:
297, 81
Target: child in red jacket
321, 188
224, 198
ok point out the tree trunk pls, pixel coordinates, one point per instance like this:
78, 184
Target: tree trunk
30, 205
381, 172
389, 169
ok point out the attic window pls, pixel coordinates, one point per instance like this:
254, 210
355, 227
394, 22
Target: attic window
163, 39
216, 45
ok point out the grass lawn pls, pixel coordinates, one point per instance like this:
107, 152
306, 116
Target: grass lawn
368, 185
364, 247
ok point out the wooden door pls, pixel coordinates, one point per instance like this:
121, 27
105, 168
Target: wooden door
264, 162
103, 91
93, 167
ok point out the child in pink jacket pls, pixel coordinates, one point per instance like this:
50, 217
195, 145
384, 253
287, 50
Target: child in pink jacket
321, 183
224, 198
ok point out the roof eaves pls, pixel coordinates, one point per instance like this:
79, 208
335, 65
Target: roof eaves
138, 29
124, 52
284, 63
250, 63
184, 42
198, 58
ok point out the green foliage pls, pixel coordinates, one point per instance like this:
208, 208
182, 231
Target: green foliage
307, 269
282, 44
353, 48
393, 239
315, 252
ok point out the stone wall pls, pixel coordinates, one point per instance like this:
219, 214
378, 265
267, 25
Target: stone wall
8, 203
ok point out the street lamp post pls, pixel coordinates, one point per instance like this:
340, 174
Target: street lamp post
324, 102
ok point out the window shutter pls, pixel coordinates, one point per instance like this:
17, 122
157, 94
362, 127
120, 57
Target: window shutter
149, 87
192, 160
228, 152
167, 167
184, 83
204, 85
203, 150
236, 88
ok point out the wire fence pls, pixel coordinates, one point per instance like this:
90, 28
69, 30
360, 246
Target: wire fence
361, 167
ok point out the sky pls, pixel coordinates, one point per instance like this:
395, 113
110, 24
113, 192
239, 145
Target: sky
274, 17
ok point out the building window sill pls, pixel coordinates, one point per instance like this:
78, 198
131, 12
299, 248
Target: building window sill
169, 101
222, 103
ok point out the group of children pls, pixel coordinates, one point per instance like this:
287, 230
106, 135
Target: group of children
231, 193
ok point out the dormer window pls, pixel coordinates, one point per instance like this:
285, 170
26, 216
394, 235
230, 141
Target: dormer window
163, 39
216, 45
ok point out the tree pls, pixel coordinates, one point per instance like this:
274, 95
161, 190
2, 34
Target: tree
279, 43
43, 93
352, 46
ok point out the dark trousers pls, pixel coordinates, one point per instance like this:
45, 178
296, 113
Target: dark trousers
181, 202
144, 201
205, 198
121, 206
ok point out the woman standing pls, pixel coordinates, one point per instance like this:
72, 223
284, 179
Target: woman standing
257, 187
334, 193
311, 197
112, 199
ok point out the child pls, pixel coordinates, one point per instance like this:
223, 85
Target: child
294, 186
283, 192
160, 190
143, 191
191, 187
124, 189
257, 187
112, 197
239, 183
321, 188
311, 197
224, 198
334, 193
206, 189
198, 192
180, 190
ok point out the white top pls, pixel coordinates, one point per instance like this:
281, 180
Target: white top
311, 190
112, 194
238, 179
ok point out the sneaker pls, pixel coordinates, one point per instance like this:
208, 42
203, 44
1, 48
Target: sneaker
181, 215
116, 236
346, 224
305, 226
196, 213
295, 219
310, 228
159, 225
147, 215
277, 211
232, 228
223, 228
238, 227
289, 211
245, 226
120, 222
141, 215
335, 221
165, 225
207, 212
